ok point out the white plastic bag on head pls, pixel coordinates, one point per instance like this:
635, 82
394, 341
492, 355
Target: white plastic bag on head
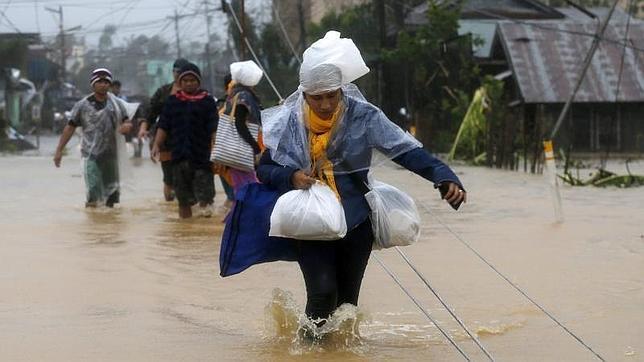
246, 73
330, 63
394, 216
313, 214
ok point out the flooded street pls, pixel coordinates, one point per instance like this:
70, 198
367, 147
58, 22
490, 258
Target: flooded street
138, 284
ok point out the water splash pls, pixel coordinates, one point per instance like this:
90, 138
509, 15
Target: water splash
288, 326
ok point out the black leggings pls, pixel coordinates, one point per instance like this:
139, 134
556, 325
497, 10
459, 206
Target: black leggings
333, 270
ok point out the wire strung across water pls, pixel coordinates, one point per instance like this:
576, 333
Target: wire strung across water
459, 238
447, 307
425, 312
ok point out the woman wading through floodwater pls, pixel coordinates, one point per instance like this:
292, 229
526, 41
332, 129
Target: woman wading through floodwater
326, 132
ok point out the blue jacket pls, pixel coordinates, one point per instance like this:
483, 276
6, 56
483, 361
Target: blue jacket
352, 192
365, 128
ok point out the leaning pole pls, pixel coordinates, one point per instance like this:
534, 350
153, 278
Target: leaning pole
548, 147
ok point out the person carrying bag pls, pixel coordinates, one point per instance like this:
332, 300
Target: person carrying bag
238, 144
230, 149
327, 132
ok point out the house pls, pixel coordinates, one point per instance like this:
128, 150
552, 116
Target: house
539, 51
608, 111
24, 69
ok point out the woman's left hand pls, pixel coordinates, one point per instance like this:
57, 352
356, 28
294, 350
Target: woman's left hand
301, 180
125, 128
455, 195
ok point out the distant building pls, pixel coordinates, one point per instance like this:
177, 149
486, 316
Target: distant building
76, 59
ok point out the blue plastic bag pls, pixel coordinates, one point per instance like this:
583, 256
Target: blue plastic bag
245, 241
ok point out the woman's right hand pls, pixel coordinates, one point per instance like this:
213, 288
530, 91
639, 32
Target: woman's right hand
143, 130
302, 181
58, 156
155, 154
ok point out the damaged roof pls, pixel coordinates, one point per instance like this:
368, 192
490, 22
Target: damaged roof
489, 9
547, 58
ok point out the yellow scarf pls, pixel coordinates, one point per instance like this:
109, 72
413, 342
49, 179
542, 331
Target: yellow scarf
230, 86
320, 132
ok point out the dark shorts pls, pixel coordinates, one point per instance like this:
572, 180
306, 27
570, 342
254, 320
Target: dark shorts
192, 185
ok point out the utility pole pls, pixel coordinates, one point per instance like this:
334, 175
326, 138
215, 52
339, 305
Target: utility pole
243, 32
211, 82
547, 144
63, 58
63, 62
300, 13
382, 37
176, 18
176, 32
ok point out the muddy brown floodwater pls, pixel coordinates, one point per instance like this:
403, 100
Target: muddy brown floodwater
138, 284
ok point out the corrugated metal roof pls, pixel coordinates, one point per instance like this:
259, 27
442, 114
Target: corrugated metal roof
489, 9
619, 15
546, 63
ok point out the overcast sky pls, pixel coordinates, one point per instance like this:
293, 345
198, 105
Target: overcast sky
132, 17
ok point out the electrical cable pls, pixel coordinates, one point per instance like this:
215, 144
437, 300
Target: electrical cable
285, 34
425, 312
517, 288
447, 307
250, 47
548, 28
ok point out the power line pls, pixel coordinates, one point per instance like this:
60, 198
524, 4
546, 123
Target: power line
129, 27
36, 15
7, 6
285, 34
129, 8
587, 62
559, 30
102, 15
241, 32
617, 87
447, 308
425, 312
513, 285
10, 22
621, 64
15, 4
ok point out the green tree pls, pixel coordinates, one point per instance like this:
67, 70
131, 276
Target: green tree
360, 24
442, 74
279, 62
14, 54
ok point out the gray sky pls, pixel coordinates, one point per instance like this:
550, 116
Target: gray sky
148, 17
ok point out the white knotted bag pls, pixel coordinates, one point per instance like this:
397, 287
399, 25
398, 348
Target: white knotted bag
246, 73
330, 63
313, 214
394, 216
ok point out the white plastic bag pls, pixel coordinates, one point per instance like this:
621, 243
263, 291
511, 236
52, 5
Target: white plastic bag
313, 214
394, 216
246, 73
341, 53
